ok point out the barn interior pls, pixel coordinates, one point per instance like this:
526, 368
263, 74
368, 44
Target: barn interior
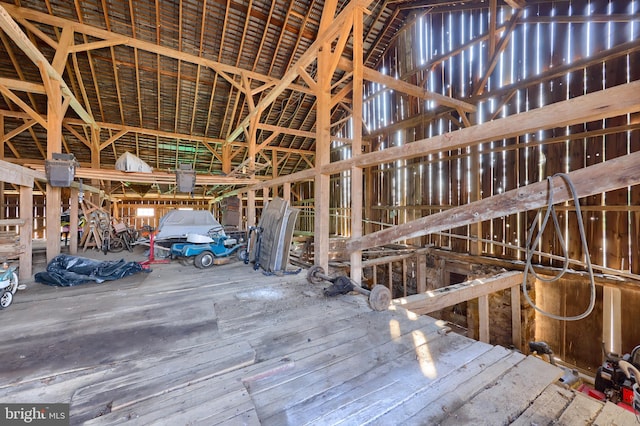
472, 165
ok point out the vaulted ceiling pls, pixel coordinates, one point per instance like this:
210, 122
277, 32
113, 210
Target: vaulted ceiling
167, 80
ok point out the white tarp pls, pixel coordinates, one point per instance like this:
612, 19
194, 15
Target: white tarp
179, 223
128, 162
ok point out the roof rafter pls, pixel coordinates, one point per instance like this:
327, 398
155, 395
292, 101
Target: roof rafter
11, 28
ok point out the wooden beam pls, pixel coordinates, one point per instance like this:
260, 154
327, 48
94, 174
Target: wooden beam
435, 300
516, 318
113, 138
74, 203
38, 33
286, 131
612, 102
97, 45
307, 78
62, 52
408, 88
80, 137
17, 131
483, 318
23, 106
54, 145
22, 86
139, 177
357, 180
18, 175
602, 177
502, 45
26, 230
12, 29
516, 4
561, 70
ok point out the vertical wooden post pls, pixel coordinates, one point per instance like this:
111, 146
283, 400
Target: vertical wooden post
26, 232
251, 209
286, 191
421, 273
475, 247
483, 318
323, 141
274, 172
516, 318
226, 159
404, 277
54, 145
611, 319
73, 221
240, 215
95, 164
356, 145
368, 201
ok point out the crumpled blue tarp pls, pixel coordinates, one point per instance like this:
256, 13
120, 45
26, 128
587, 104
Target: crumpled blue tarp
66, 271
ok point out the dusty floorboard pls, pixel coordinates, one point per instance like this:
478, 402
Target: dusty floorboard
230, 345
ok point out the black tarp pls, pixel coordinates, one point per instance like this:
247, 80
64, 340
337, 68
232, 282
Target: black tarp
66, 271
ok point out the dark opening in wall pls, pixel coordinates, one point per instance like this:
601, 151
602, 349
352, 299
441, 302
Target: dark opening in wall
456, 314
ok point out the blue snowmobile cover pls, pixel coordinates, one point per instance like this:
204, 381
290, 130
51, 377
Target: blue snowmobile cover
66, 271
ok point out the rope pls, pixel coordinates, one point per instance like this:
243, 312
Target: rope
532, 243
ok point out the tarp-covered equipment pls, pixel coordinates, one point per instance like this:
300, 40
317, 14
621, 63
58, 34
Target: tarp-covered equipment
179, 223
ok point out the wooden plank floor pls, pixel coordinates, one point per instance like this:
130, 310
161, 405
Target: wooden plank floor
230, 345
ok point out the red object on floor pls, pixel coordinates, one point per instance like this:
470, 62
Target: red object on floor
627, 396
626, 407
152, 259
586, 389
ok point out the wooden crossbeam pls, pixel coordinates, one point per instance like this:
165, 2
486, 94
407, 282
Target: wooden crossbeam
139, 177
18, 175
434, 300
613, 174
605, 103
408, 88
23, 86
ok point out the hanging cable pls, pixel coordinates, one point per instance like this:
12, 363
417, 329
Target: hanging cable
533, 242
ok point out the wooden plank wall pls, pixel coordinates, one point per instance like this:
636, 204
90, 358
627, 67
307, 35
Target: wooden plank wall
436, 182
128, 211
